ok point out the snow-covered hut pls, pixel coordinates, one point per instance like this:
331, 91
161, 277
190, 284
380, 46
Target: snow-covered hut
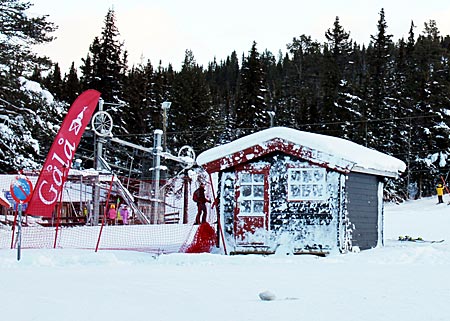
286, 190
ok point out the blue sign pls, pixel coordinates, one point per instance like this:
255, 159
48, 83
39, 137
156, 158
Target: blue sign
21, 190
13, 203
9, 197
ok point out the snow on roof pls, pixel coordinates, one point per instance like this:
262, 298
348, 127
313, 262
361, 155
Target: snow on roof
365, 159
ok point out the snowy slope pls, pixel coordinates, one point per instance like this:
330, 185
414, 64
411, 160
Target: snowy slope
400, 281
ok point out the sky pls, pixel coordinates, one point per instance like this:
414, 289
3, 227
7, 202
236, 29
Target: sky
162, 30
400, 281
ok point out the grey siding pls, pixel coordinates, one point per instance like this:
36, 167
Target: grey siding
362, 195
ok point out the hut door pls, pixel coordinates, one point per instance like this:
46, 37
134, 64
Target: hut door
252, 206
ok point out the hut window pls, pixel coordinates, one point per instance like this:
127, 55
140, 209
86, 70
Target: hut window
252, 194
306, 184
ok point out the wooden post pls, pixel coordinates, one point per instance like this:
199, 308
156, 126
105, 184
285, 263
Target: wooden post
104, 214
58, 216
219, 225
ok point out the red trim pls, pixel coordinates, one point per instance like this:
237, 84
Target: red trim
238, 228
274, 145
3, 203
14, 226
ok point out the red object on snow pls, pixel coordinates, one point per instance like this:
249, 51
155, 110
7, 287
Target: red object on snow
204, 239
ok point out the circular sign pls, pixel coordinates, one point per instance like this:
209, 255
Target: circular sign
21, 189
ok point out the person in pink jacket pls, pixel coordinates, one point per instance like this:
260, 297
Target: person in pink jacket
112, 215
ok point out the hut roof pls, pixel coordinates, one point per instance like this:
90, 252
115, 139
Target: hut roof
333, 152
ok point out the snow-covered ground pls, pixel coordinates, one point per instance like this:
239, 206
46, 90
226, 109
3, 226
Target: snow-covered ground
400, 281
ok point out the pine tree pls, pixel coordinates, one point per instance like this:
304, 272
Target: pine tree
379, 108
53, 82
304, 82
105, 66
104, 69
337, 108
287, 106
251, 108
431, 101
71, 85
192, 118
354, 95
87, 80
111, 64
142, 104
37, 75
20, 111
225, 78
273, 85
19, 32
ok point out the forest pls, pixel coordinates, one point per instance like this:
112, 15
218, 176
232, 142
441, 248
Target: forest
391, 95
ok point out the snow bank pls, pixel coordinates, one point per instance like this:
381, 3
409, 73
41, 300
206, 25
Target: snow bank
396, 282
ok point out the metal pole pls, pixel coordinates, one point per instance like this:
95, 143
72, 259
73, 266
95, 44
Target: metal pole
129, 173
19, 232
164, 129
408, 161
96, 196
186, 197
81, 195
165, 107
99, 140
156, 172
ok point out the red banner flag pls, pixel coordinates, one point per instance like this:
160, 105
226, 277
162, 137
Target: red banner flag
59, 159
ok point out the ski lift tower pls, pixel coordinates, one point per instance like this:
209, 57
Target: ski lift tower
102, 131
102, 125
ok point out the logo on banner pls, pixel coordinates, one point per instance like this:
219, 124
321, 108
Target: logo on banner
77, 124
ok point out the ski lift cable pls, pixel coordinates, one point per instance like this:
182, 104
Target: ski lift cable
102, 125
349, 122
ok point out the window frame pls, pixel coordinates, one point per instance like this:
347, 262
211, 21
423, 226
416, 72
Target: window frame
301, 184
251, 199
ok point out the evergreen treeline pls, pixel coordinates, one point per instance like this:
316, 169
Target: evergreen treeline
390, 96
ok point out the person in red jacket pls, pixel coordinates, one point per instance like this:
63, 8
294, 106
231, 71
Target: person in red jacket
201, 200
